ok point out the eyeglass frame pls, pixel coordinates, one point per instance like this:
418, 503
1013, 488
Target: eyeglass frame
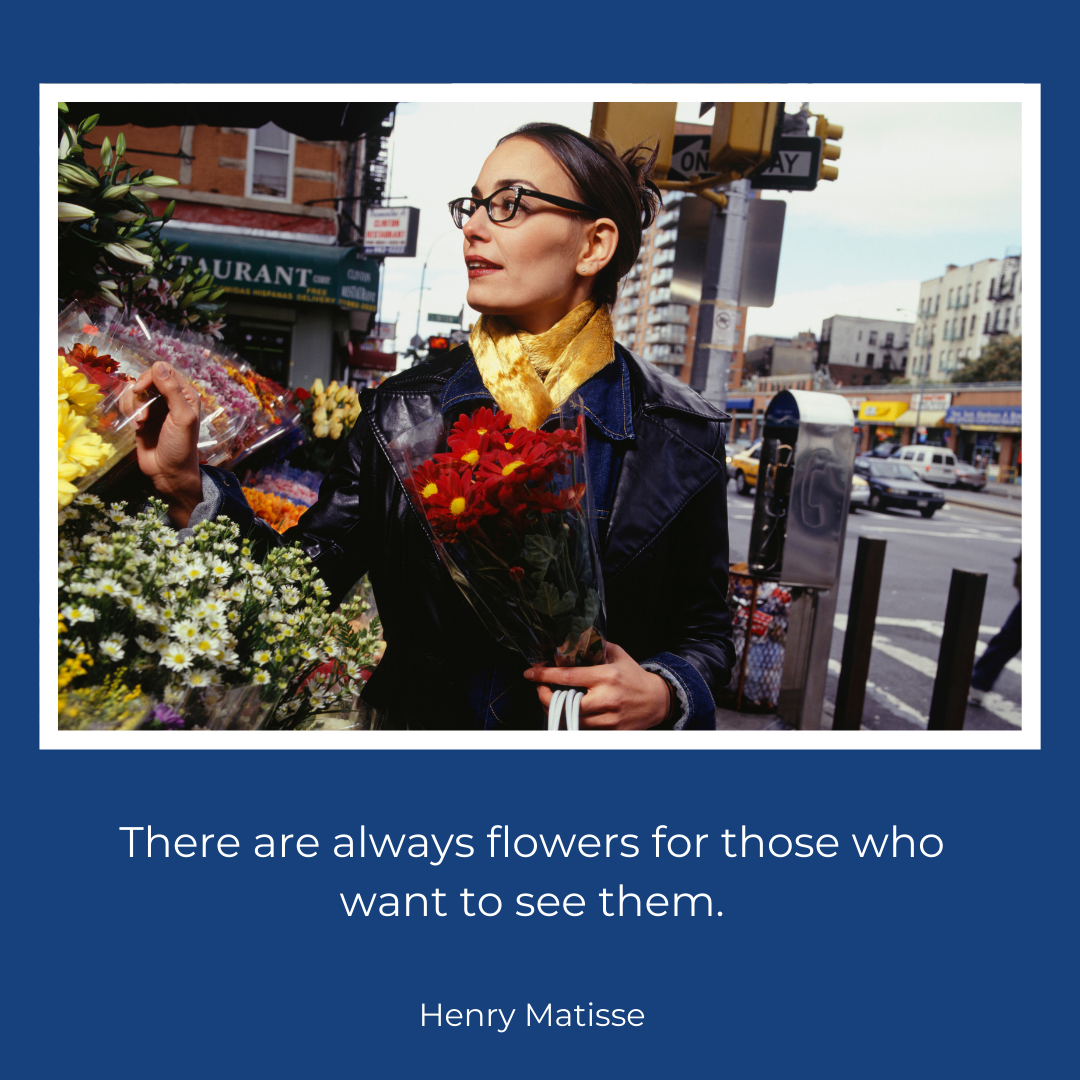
557, 200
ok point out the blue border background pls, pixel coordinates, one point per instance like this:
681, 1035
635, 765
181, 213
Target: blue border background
841, 968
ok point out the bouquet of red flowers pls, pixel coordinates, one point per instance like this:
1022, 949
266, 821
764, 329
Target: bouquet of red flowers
508, 510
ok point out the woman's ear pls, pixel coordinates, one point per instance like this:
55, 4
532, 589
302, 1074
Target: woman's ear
601, 238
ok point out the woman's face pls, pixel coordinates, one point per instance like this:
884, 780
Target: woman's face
529, 269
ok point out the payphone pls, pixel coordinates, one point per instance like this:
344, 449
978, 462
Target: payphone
797, 535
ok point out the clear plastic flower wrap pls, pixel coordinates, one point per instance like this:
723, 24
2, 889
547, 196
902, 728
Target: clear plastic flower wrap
222, 417
509, 512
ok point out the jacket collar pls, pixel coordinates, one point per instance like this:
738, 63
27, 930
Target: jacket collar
605, 398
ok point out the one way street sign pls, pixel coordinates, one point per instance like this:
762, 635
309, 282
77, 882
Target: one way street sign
793, 167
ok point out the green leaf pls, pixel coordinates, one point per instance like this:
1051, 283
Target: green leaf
549, 602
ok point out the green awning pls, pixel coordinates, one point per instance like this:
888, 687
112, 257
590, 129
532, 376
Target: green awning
282, 269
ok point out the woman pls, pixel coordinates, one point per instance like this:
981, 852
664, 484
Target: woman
554, 221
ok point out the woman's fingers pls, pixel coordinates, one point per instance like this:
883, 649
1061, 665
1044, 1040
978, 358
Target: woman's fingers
175, 391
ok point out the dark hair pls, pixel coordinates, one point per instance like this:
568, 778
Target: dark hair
618, 184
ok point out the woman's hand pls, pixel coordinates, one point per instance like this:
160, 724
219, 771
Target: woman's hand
166, 439
621, 694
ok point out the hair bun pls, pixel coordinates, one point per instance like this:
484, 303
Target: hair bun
640, 160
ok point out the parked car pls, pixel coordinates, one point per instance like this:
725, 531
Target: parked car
860, 493
969, 476
932, 463
743, 468
893, 483
882, 450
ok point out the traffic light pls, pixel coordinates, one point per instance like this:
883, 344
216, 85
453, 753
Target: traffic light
627, 123
825, 131
742, 136
438, 343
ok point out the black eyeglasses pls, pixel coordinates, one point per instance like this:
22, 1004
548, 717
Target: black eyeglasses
503, 205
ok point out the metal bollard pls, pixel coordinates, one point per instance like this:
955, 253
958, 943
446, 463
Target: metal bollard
859, 639
956, 658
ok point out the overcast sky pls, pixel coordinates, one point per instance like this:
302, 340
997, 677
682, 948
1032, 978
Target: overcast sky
921, 185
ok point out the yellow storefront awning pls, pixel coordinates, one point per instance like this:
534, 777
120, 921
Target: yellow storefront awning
927, 418
882, 412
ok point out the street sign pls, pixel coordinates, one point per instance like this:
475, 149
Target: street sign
793, 167
689, 157
761, 252
456, 319
391, 230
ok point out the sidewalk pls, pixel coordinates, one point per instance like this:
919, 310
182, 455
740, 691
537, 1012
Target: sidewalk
1004, 498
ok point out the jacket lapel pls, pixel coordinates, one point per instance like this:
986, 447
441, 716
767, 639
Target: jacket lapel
657, 478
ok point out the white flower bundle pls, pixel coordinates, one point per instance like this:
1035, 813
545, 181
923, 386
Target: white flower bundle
173, 614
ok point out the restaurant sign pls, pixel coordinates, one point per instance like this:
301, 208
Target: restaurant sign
281, 269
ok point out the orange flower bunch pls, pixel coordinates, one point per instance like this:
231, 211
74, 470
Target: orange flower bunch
277, 512
494, 471
270, 396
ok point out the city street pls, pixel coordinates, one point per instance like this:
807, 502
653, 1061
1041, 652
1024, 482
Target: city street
919, 561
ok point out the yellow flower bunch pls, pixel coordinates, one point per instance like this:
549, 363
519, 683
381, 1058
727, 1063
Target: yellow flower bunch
79, 448
334, 409
112, 705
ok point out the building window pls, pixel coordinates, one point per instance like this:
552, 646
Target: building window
869, 359
888, 340
873, 337
948, 303
860, 336
270, 163
977, 284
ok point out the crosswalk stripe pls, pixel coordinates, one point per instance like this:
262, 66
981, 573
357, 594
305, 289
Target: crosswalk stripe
931, 626
891, 701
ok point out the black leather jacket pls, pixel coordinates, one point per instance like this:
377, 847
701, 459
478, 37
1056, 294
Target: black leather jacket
664, 556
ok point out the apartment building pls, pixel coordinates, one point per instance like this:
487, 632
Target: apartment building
964, 310
864, 352
656, 315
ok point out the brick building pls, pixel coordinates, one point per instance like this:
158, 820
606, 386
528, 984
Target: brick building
273, 211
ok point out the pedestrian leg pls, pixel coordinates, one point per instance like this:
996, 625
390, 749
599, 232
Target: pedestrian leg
1000, 650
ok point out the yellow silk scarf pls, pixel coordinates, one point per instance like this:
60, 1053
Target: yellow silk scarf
531, 375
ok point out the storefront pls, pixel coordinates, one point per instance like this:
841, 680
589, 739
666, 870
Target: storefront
877, 422
742, 418
989, 436
292, 308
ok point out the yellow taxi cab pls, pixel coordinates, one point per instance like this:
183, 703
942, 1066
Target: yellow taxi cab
743, 468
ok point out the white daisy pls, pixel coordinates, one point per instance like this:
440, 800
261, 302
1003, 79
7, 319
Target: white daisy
261, 656
74, 613
206, 645
219, 570
113, 647
108, 587
146, 644
185, 630
260, 678
198, 678
176, 657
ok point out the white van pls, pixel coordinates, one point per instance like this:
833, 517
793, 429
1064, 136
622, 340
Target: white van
932, 463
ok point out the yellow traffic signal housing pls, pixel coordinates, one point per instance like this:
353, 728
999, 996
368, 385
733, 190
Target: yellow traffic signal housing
626, 123
825, 131
742, 136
